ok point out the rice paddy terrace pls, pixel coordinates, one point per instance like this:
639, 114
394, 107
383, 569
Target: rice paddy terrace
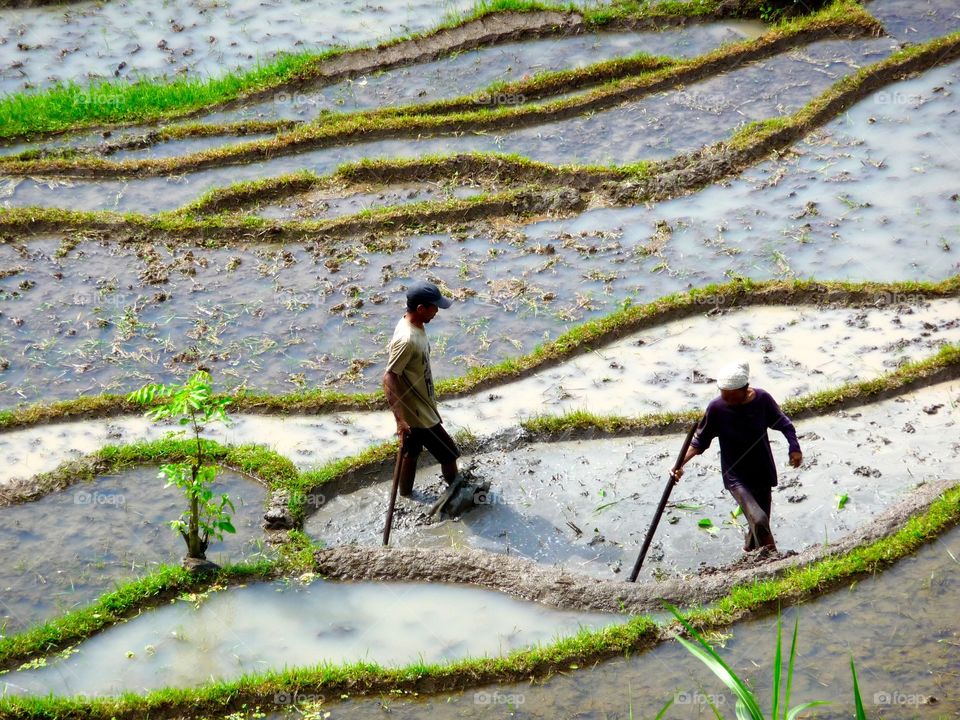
619, 198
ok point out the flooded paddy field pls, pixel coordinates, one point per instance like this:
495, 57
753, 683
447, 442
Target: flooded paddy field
88, 41
869, 196
793, 350
892, 624
697, 115
474, 70
225, 635
583, 504
68, 548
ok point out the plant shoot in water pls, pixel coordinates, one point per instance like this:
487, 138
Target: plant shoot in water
192, 404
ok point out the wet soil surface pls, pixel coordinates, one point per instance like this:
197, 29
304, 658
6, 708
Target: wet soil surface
40, 47
585, 505
792, 350
895, 625
66, 549
916, 21
869, 197
332, 203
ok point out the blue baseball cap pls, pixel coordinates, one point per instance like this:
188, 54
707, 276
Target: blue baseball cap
426, 293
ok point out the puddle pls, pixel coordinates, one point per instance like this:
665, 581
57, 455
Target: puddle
186, 146
676, 121
470, 71
269, 626
893, 624
916, 21
792, 350
68, 548
88, 41
586, 504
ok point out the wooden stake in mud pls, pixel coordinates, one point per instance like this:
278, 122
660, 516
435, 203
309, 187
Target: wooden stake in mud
663, 503
393, 493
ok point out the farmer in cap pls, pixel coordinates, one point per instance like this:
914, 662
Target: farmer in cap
740, 418
408, 383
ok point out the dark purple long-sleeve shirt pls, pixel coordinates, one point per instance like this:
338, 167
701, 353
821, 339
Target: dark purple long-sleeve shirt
745, 456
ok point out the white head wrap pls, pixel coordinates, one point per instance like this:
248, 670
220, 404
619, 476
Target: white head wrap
734, 376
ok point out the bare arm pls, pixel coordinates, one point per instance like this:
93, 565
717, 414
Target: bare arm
393, 391
691, 453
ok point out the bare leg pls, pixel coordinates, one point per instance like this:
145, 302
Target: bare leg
449, 471
408, 470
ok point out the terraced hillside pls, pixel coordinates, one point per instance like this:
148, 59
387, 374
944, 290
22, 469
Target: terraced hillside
619, 197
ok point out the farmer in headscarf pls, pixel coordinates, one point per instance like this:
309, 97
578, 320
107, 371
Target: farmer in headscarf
740, 418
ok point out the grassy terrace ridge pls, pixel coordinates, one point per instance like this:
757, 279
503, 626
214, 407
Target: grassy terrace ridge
584, 337
843, 19
266, 466
224, 230
639, 633
492, 168
67, 108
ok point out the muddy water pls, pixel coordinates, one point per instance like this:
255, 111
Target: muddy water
477, 69
793, 351
585, 504
867, 198
654, 128
88, 41
896, 625
916, 21
271, 626
115, 530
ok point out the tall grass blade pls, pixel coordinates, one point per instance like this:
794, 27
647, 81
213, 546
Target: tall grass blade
777, 669
662, 712
709, 657
858, 701
793, 655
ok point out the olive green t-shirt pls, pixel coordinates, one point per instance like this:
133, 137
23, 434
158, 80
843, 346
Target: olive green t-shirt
409, 359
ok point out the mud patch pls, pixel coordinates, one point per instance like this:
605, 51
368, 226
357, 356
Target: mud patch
584, 505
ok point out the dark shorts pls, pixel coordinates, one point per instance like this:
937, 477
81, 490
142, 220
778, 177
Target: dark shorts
435, 439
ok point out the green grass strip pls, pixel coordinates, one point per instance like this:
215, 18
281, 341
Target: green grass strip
582, 338
565, 654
